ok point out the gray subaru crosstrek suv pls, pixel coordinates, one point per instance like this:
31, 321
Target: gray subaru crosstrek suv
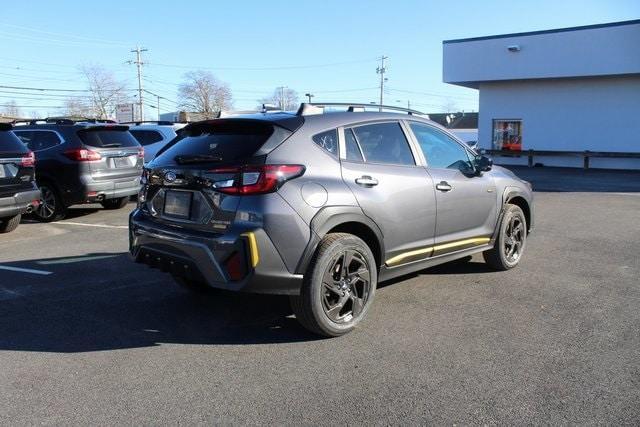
322, 206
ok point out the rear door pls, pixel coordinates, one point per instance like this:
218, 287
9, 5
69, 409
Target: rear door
16, 167
467, 201
120, 153
379, 166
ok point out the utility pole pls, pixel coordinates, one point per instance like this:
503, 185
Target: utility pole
158, 98
381, 70
139, 64
282, 88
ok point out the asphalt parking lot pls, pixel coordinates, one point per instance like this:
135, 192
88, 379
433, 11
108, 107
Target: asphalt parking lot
87, 336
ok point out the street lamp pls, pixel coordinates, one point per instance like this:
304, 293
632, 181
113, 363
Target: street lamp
309, 95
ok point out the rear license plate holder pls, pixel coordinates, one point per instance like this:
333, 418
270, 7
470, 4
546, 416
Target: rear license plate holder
177, 204
121, 162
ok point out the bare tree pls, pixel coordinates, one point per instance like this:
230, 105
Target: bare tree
283, 98
77, 107
12, 110
201, 92
105, 92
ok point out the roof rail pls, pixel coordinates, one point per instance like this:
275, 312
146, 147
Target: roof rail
75, 119
158, 122
310, 108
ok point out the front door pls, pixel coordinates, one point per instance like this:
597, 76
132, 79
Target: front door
379, 167
467, 203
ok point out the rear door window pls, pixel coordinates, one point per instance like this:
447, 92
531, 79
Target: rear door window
351, 147
146, 137
225, 141
107, 138
384, 143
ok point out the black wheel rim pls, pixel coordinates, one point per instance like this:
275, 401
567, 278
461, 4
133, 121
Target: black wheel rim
47, 206
514, 239
346, 287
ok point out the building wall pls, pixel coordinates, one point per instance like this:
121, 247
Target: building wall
596, 114
607, 50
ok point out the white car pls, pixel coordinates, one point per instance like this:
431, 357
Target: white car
153, 135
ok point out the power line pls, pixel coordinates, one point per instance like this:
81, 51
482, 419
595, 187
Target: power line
58, 90
283, 67
90, 39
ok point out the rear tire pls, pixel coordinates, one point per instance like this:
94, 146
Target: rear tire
51, 207
9, 224
511, 240
118, 203
339, 286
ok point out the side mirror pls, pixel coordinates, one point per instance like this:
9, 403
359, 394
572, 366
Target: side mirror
483, 163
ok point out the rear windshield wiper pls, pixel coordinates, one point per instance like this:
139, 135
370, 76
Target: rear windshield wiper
197, 158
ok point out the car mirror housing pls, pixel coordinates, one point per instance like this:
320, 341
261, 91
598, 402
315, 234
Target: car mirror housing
483, 163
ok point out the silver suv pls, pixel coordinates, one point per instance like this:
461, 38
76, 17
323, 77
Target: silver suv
322, 206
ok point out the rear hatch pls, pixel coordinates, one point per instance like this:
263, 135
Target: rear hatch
115, 153
198, 179
16, 164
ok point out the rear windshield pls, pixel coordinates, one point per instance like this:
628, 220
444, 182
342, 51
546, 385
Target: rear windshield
9, 143
107, 138
218, 142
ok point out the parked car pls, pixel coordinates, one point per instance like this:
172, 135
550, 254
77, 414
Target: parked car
18, 191
322, 207
82, 162
153, 135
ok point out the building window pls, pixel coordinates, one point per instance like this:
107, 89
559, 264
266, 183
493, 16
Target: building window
507, 135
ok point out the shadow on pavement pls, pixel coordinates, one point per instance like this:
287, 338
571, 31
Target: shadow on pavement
579, 180
105, 301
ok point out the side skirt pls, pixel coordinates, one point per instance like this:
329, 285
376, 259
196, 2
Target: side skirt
387, 273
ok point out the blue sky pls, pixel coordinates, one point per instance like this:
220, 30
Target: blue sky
327, 47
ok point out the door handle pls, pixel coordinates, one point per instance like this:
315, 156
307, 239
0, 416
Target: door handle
366, 181
444, 186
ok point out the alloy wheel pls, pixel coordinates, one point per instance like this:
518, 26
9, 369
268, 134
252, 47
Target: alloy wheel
346, 287
47, 207
514, 239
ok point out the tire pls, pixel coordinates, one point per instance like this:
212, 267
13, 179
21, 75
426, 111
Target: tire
329, 304
51, 207
118, 203
9, 224
511, 241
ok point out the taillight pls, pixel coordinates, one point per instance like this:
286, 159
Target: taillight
256, 179
141, 153
82, 155
28, 160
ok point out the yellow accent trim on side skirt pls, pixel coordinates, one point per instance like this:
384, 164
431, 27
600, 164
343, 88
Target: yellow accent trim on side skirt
397, 260
253, 248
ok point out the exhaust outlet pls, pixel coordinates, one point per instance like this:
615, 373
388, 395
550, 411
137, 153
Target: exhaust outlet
100, 197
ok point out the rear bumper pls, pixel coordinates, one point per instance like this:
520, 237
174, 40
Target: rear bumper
96, 190
18, 203
202, 257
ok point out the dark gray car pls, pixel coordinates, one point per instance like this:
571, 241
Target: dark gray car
84, 161
322, 206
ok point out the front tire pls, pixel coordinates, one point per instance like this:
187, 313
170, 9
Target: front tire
118, 203
9, 224
339, 286
511, 241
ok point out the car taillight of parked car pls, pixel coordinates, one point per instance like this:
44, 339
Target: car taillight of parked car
255, 179
83, 155
28, 160
141, 153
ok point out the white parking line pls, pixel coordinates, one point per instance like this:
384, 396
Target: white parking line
91, 225
26, 270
